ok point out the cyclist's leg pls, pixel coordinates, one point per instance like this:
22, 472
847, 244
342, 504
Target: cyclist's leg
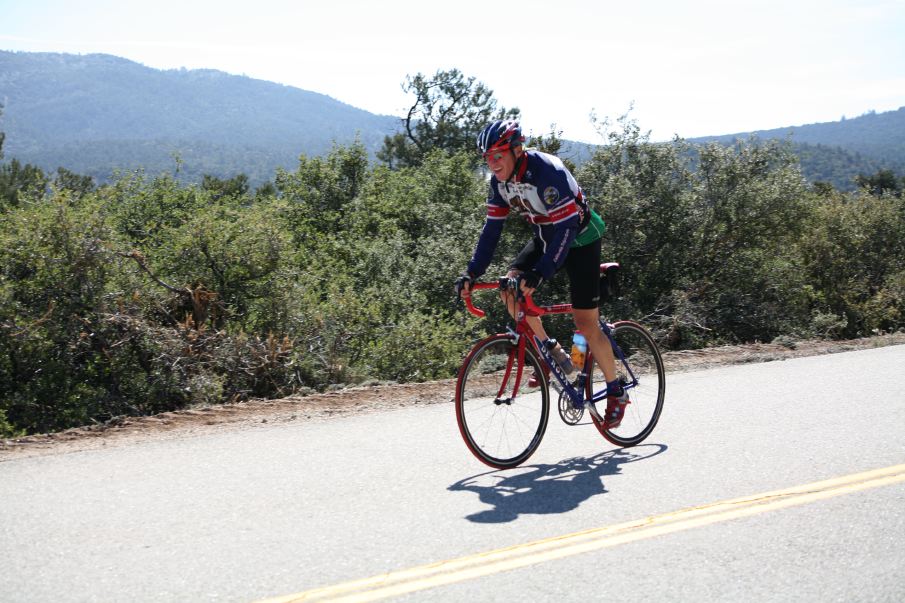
508, 298
583, 268
586, 320
538, 327
526, 259
629, 424
584, 284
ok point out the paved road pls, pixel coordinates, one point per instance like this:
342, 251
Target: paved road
268, 511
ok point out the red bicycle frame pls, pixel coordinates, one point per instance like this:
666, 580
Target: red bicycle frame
530, 308
524, 306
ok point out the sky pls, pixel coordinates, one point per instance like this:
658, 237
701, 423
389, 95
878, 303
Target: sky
687, 68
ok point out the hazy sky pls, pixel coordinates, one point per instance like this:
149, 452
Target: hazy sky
690, 68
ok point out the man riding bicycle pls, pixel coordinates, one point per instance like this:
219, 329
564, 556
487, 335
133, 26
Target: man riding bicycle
566, 234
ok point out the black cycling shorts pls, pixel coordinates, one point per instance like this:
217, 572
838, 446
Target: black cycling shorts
582, 265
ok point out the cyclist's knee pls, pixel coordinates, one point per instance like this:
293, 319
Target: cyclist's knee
586, 320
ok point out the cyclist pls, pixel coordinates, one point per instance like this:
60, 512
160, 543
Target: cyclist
566, 234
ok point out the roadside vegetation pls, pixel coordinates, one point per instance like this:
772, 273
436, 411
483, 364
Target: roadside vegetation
146, 295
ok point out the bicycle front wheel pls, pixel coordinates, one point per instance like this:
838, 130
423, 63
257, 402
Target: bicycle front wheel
501, 418
641, 366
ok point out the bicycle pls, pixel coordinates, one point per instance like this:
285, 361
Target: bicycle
503, 418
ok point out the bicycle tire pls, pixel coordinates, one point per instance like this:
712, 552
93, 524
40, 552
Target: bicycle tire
643, 357
499, 430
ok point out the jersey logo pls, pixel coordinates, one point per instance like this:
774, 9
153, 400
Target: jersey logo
519, 204
551, 195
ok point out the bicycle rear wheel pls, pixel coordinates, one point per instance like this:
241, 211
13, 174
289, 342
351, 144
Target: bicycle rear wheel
643, 361
501, 418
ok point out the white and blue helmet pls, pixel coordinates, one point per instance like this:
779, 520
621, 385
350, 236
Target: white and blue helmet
500, 136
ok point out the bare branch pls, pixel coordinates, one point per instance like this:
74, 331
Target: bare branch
140, 260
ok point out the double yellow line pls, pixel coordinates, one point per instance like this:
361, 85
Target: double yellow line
401, 582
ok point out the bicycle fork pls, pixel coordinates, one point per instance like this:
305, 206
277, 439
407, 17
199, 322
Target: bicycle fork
518, 358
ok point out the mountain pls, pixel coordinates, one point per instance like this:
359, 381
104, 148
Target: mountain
95, 113
838, 151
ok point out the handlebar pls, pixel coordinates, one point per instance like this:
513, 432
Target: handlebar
531, 309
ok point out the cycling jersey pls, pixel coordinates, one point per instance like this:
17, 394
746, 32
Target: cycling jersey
544, 192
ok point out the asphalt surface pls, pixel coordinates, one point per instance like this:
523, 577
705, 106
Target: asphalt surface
256, 512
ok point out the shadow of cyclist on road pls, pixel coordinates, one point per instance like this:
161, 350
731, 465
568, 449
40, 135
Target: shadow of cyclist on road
543, 489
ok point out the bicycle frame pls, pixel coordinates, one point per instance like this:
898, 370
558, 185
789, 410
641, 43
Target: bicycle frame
523, 332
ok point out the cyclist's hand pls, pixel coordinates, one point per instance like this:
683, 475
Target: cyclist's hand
463, 284
529, 282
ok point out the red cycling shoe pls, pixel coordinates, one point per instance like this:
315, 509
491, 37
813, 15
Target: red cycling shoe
615, 410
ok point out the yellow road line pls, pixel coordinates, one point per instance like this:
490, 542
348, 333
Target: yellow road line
397, 583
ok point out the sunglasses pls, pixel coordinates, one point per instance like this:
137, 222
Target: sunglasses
495, 154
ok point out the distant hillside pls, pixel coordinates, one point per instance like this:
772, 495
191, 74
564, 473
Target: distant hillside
838, 151
94, 113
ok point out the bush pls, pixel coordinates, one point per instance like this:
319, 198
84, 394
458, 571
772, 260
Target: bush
146, 295
854, 255
827, 325
706, 236
420, 348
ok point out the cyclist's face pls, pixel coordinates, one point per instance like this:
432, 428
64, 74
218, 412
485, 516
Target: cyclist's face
501, 163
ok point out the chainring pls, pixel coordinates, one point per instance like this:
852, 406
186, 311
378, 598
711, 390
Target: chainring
567, 412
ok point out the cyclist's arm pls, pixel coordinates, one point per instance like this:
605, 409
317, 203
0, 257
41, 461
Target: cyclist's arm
490, 237
557, 248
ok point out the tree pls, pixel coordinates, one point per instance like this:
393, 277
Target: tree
76, 183
320, 189
16, 178
236, 187
705, 235
448, 112
883, 180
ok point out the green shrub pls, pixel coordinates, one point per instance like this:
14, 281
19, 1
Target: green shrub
420, 348
146, 295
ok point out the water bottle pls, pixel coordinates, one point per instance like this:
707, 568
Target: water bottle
560, 356
579, 350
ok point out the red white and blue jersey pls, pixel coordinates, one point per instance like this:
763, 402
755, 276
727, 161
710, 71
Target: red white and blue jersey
546, 194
